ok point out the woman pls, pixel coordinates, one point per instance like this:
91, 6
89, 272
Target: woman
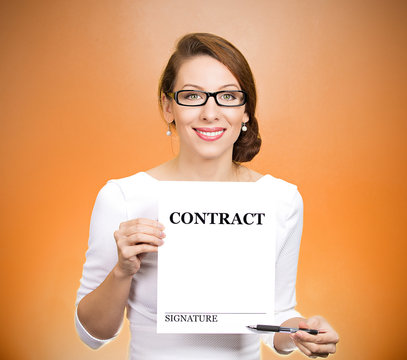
207, 94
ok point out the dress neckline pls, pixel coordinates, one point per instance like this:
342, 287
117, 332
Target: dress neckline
254, 182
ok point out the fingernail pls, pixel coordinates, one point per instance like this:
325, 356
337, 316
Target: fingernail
161, 226
162, 235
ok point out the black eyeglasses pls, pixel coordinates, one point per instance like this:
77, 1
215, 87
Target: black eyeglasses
199, 98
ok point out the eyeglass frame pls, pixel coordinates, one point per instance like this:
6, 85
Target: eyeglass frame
174, 95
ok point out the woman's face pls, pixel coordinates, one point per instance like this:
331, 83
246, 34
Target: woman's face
207, 131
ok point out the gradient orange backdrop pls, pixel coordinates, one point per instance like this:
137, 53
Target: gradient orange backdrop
78, 106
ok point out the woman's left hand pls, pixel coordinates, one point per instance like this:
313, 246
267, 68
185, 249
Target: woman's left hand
320, 345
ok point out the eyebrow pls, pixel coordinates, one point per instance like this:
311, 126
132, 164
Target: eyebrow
201, 88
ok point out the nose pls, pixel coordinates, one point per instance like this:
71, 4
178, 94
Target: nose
210, 111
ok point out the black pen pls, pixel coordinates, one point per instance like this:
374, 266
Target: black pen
274, 328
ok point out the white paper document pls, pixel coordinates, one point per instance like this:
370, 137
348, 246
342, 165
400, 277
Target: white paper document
216, 267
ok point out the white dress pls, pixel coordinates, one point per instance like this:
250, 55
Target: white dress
136, 196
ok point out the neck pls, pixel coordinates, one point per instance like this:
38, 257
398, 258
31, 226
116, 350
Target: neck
205, 169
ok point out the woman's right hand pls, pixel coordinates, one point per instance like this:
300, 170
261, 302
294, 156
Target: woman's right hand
134, 238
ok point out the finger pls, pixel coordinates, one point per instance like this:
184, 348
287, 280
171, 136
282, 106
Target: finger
329, 337
133, 234
315, 348
311, 323
320, 350
129, 252
135, 239
315, 322
143, 221
312, 351
143, 229
145, 248
301, 347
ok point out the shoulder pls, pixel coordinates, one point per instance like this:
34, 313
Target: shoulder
128, 196
285, 193
279, 189
127, 187
132, 182
277, 183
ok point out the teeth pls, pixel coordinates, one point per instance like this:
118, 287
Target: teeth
211, 133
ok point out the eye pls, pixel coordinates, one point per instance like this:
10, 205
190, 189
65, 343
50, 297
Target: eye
193, 96
228, 96
190, 95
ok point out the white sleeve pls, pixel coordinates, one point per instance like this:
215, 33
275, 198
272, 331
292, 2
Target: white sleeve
108, 212
286, 266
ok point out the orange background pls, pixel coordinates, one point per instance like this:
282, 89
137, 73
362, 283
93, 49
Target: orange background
78, 106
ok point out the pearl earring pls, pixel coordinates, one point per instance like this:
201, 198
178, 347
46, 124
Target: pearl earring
169, 131
244, 127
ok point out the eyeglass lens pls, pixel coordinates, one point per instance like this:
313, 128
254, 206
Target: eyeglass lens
225, 98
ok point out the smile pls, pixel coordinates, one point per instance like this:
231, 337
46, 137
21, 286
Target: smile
210, 134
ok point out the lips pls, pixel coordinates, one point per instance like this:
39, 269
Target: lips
210, 134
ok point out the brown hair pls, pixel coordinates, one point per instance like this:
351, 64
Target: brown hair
248, 143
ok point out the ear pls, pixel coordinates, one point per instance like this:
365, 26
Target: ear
245, 117
167, 105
